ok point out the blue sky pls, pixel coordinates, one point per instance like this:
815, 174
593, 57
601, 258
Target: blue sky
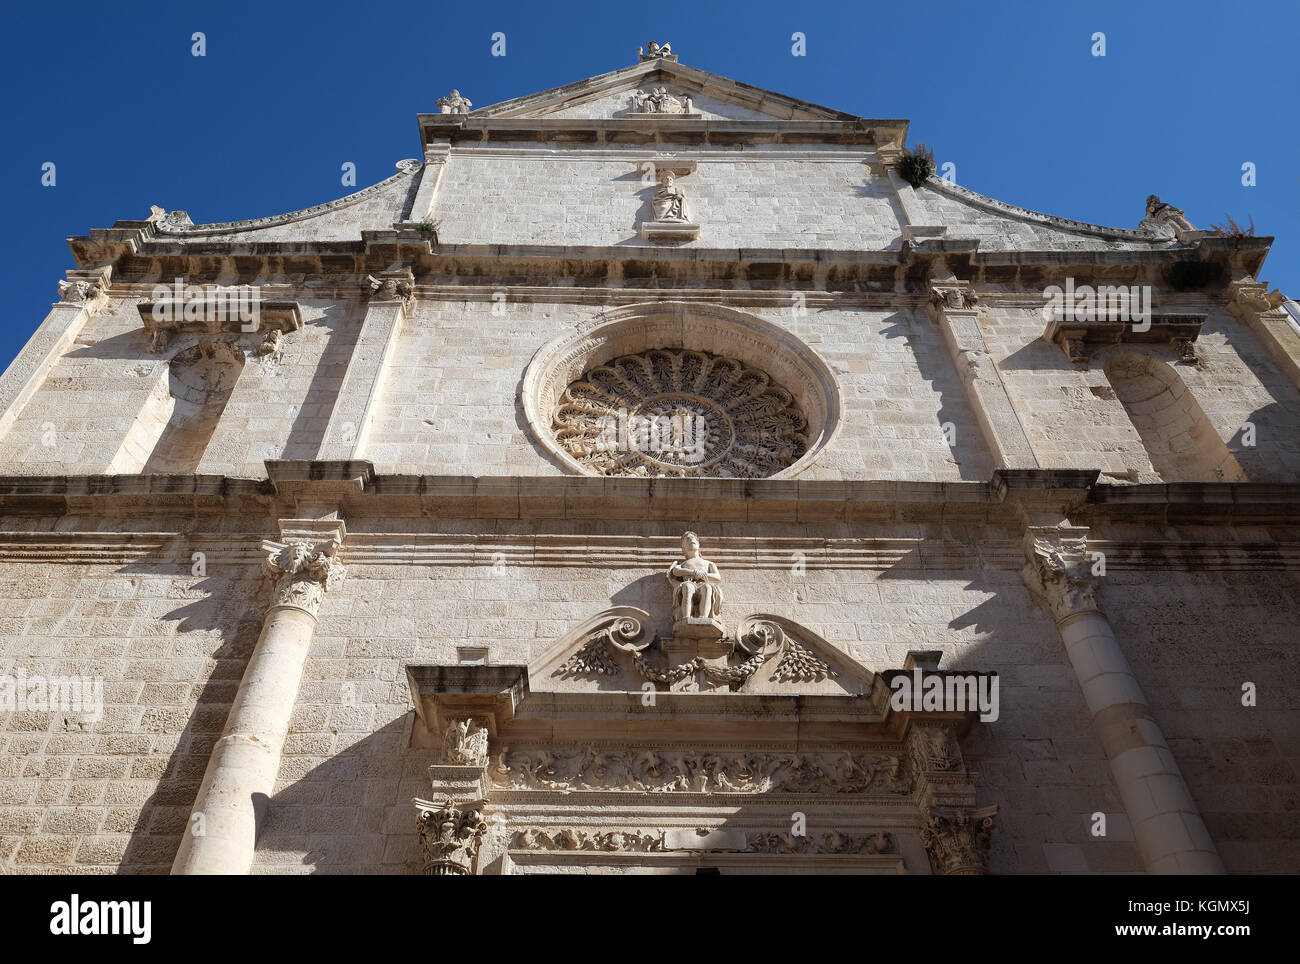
287, 92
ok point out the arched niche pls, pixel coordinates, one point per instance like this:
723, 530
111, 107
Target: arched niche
1180, 441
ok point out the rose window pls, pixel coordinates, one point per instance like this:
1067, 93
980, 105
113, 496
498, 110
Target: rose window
679, 413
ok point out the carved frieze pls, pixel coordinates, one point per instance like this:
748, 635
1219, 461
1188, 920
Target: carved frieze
833, 842
610, 841
658, 100
671, 771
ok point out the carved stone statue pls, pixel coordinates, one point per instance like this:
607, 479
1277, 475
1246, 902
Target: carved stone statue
1164, 222
465, 744
697, 584
653, 49
453, 103
669, 202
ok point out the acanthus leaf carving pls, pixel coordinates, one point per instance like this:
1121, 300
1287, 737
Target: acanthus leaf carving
449, 837
304, 572
612, 841
957, 839
1059, 569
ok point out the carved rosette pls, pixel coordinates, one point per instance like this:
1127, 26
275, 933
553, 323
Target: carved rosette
450, 838
1059, 570
680, 414
957, 840
304, 572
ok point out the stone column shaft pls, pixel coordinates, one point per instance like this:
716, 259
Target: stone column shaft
1167, 826
221, 835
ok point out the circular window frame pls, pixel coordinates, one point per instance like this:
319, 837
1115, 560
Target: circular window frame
632, 329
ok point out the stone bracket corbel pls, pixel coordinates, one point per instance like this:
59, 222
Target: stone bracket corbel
211, 315
87, 289
1079, 338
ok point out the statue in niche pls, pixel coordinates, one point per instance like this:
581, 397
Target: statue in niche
697, 584
669, 202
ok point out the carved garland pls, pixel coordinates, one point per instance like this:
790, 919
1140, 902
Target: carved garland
682, 414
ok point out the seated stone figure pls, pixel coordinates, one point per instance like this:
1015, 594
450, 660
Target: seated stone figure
697, 584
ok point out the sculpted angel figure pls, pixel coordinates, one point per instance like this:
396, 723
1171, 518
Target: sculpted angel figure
697, 584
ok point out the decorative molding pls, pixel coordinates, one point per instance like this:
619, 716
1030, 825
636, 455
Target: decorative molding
1001, 207
957, 839
593, 769
449, 838
304, 571
179, 223
164, 319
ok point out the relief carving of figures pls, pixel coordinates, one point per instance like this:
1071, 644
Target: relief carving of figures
669, 202
699, 771
465, 744
449, 839
958, 840
696, 582
305, 572
453, 103
823, 843
659, 101
609, 840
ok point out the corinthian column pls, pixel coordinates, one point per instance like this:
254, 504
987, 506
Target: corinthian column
1167, 825
222, 832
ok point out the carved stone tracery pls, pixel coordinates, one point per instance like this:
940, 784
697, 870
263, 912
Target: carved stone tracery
683, 414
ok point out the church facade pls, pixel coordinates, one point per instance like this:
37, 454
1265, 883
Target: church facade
657, 474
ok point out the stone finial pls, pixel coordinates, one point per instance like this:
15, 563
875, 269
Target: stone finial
957, 840
304, 572
450, 838
454, 103
156, 213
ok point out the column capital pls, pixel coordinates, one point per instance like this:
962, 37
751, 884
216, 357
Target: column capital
449, 837
1059, 571
85, 288
957, 839
395, 286
304, 572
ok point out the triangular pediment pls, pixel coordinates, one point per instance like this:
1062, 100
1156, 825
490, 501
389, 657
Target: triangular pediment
712, 97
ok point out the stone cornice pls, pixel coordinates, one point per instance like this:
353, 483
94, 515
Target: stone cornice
361, 491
